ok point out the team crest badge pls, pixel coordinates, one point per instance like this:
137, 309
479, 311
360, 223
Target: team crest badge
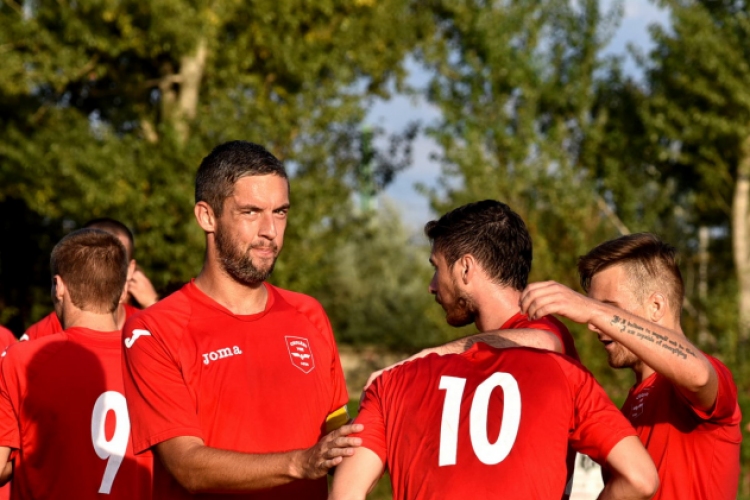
300, 353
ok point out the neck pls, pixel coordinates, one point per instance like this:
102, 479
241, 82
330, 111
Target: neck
76, 318
642, 371
495, 305
239, 298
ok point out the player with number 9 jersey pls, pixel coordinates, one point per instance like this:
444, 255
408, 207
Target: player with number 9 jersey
488, 423
62, 408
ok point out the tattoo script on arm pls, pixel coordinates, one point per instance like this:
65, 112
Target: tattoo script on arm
644, 333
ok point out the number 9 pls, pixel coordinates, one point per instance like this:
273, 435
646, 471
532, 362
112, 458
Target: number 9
114, 449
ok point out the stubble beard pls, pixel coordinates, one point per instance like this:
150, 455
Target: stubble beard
462, 312
621, 357
238, 264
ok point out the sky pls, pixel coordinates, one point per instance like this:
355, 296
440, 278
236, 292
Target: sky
394, 114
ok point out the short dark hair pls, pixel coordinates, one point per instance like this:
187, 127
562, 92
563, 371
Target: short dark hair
490, 231
651, 264
226, 164
115, 227
94, 266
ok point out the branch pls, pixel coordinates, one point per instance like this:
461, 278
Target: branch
612, 216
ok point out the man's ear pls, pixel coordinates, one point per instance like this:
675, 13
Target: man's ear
205, 216
656, 306
58, 288
466, 267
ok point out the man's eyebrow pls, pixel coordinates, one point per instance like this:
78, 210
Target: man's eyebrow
285, 206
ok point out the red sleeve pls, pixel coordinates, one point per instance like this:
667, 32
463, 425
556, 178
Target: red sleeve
9, 430
371, 415
597, 424
340, 393
161, 406
726, 397
6, 338
48, 325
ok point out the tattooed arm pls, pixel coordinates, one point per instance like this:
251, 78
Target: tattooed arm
666, 351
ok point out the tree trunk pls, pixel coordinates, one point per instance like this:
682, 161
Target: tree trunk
705, 337
741, 239
191, 74
180, 92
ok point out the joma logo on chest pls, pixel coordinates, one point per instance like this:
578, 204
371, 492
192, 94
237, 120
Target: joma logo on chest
226, 352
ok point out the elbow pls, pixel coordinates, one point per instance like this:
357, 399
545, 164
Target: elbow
645, 485
552, 342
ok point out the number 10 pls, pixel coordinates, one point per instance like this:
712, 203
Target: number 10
488, 453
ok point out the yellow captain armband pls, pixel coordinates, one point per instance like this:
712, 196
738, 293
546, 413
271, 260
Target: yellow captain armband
337, 419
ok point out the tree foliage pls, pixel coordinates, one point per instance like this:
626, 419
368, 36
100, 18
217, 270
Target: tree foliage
107, 107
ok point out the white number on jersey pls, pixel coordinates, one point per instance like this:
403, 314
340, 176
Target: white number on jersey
488, 453
112, 450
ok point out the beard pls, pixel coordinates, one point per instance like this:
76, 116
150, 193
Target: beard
460, 312
239, 264
621, 357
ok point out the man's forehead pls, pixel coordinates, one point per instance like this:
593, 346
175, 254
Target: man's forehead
269, 187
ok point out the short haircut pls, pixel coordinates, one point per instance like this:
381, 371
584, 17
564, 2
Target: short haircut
651, 264
490, 231
93, 264
228, 163
115, 227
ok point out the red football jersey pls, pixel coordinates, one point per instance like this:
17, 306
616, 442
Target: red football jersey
697, 453
260, 383
548, 323
6, 340
488, 423
50, 324
62, 407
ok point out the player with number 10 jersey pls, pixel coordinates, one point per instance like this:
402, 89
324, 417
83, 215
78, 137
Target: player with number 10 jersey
487, 423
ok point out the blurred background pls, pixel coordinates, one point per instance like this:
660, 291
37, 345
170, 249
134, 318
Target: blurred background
590, 118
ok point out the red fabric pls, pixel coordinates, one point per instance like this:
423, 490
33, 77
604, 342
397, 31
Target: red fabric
696, 453
49, 389
236, 382
50, 324
560, 402
6, 340
548, 323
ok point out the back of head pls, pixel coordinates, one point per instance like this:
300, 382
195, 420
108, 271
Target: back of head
651, 265
116, 228
490, 231
93, 264
228, 163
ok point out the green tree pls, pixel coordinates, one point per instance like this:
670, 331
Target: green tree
107, 107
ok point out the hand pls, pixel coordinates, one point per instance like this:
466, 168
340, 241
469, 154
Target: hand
142, 290
421, 354
549, 297
329, 452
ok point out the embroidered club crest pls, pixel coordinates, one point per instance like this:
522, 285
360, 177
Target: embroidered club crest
300, 353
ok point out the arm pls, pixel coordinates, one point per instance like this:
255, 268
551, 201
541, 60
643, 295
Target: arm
666, 351
634, 475
500, 339
356, 476
200, 468
7, 473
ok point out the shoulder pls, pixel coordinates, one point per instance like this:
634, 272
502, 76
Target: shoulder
20, 354
168, 317
6, 337
300, 301
305, 305
46, 326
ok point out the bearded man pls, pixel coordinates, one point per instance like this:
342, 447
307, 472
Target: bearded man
236, 385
